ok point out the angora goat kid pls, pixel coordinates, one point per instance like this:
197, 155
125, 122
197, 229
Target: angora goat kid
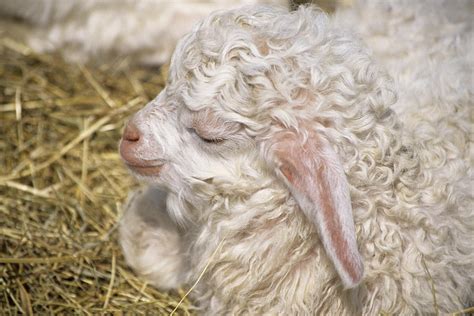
278, 163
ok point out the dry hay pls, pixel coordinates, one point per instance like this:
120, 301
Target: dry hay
62, 186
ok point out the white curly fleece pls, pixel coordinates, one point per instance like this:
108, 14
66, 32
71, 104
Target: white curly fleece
271, 123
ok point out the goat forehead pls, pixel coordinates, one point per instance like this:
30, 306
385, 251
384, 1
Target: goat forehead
276, 75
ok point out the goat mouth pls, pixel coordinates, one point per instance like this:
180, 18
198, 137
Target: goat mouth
139, 166
145, 170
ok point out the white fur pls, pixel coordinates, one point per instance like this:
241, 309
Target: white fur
403, 144
145, 31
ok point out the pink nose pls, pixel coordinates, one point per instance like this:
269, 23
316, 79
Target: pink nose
131, 133
130, 143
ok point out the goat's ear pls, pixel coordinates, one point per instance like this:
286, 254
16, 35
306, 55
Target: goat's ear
311, 169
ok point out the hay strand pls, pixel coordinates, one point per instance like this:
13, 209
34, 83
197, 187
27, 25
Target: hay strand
198, 278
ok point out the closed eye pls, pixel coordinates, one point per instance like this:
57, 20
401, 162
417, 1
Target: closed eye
209, 140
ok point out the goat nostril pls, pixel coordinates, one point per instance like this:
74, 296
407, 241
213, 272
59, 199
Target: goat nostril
131, 133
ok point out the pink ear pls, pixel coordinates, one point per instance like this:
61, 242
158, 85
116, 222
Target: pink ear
312, 171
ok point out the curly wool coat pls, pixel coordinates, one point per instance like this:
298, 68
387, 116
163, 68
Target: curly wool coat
299, 175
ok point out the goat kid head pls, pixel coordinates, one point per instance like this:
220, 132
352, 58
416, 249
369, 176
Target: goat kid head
250, 98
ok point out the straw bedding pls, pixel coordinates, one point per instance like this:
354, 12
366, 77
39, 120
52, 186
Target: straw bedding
62, 186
